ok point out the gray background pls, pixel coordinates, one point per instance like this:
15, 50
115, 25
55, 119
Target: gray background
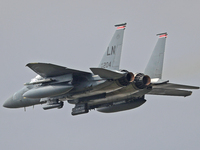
75, 34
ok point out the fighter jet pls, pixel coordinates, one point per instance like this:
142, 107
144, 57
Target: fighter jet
106, 88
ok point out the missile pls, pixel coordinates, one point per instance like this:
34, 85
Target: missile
47, 91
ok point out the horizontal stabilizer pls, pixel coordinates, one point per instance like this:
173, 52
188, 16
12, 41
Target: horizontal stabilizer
175, 86
107, 74
50, 70
170, 92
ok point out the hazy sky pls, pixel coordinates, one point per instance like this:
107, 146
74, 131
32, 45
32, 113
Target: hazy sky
75, 34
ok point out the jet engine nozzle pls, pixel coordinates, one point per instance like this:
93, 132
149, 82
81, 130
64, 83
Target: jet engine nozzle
142, 81
126, 79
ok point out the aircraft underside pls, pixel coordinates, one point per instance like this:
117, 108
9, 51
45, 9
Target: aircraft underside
106, 88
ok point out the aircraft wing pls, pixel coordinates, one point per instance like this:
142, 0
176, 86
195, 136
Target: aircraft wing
170, 92
172, 89
167, 89
177, 86
50, 70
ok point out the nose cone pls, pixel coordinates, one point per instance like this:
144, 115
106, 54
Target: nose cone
9, 103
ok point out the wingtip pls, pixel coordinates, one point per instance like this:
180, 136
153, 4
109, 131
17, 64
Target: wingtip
35, 63
189, 94
31, 64
27, 64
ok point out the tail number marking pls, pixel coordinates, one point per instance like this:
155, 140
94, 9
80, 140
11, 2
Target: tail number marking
105, 64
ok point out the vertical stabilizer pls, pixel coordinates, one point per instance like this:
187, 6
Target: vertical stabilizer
111, 58
155, 65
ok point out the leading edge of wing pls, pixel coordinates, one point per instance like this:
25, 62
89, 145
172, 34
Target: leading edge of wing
50, 70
